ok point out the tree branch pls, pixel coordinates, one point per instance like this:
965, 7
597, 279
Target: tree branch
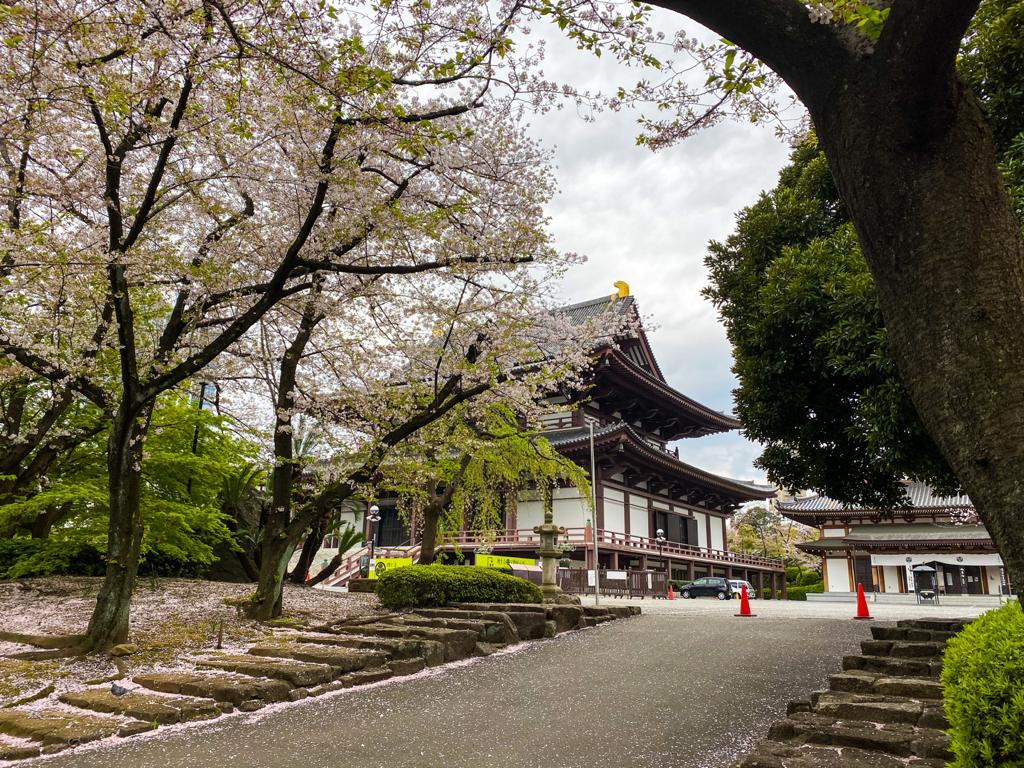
810, 57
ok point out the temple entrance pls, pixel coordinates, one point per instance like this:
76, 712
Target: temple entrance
961, 580
391, 530
863, 573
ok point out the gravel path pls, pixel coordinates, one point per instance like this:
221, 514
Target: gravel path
675, 688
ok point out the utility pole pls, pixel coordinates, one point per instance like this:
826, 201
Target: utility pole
593, 500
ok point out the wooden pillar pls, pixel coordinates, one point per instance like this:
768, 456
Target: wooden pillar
643, 562
689, 571
615, 560
728, 571
773, 585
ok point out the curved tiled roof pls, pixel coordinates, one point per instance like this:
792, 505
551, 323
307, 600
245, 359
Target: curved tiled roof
716, 421
903, 536
919, 495
620, 432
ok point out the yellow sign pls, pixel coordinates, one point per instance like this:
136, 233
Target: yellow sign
501, 561
382, 564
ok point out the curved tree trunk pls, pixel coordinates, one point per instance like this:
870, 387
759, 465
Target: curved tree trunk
947, 255
309, 550
328, 569
915, 163
110, 618
428, 544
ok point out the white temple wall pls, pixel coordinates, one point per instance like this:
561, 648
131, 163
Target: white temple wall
838, 575
717, 533
639, 516
891, 574
702, 528
529, 513
614, 510
569, 508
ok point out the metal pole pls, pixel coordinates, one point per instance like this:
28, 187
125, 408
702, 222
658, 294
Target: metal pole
593, 500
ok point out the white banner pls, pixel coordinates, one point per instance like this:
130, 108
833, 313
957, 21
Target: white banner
946, 559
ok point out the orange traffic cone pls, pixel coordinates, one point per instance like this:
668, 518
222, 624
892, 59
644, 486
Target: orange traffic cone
862, 604
671, 594
744, 603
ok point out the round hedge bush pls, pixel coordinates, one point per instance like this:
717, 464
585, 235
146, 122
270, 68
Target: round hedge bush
422, 586
800, 592
983, 686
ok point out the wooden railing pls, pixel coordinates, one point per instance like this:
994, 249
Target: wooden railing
350, 565
581, 537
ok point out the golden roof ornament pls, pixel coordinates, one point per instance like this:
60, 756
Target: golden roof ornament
623, 290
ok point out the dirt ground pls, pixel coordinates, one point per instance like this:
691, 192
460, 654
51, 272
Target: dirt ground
170, 618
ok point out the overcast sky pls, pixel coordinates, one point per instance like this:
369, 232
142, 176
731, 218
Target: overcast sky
646, 218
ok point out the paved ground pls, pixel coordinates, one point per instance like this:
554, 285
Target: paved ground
684, 686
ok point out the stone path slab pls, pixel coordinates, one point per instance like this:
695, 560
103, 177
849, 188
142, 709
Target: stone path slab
163, 710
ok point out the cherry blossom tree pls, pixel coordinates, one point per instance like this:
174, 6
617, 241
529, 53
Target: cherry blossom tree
175, 171
402, 374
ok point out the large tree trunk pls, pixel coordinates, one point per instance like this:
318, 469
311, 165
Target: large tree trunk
915, 163
919, 174
110, 618
428, 544
279, 538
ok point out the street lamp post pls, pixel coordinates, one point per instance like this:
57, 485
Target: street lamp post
373, 516
659, 537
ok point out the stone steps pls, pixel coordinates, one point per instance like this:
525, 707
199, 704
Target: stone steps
162, 710
297, 673
429, 650
902, 649
776, 755
884, 710
879, 708
894, 667
457, 643
54, 729
856, 681
911, 634
336, 657
896, 739
290, 666
225, 688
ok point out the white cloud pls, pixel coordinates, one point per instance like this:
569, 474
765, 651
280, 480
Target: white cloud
647, 218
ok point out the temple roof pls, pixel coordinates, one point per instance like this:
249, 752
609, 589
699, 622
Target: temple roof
910, 536
620, 436
920, 496
634, 385
680, 416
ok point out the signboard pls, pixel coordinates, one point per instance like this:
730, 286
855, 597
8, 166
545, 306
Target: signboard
615, 575
502, 561
382, 564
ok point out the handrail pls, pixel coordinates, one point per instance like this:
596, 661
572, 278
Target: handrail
645, 544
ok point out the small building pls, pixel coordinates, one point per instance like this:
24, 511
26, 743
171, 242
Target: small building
935, 543
641, 485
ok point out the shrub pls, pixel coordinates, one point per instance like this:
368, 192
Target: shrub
983, 685
420, 586
21, 557
800, 593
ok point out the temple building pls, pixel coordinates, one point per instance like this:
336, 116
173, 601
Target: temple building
641, 485
935, 543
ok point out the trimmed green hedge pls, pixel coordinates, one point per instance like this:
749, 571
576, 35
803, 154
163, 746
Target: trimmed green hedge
420, 586
800, 593
983, 685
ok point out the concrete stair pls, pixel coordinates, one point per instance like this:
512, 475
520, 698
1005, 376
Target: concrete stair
883, 710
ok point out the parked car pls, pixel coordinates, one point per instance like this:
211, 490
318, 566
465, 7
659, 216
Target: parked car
710, 586
737, 588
